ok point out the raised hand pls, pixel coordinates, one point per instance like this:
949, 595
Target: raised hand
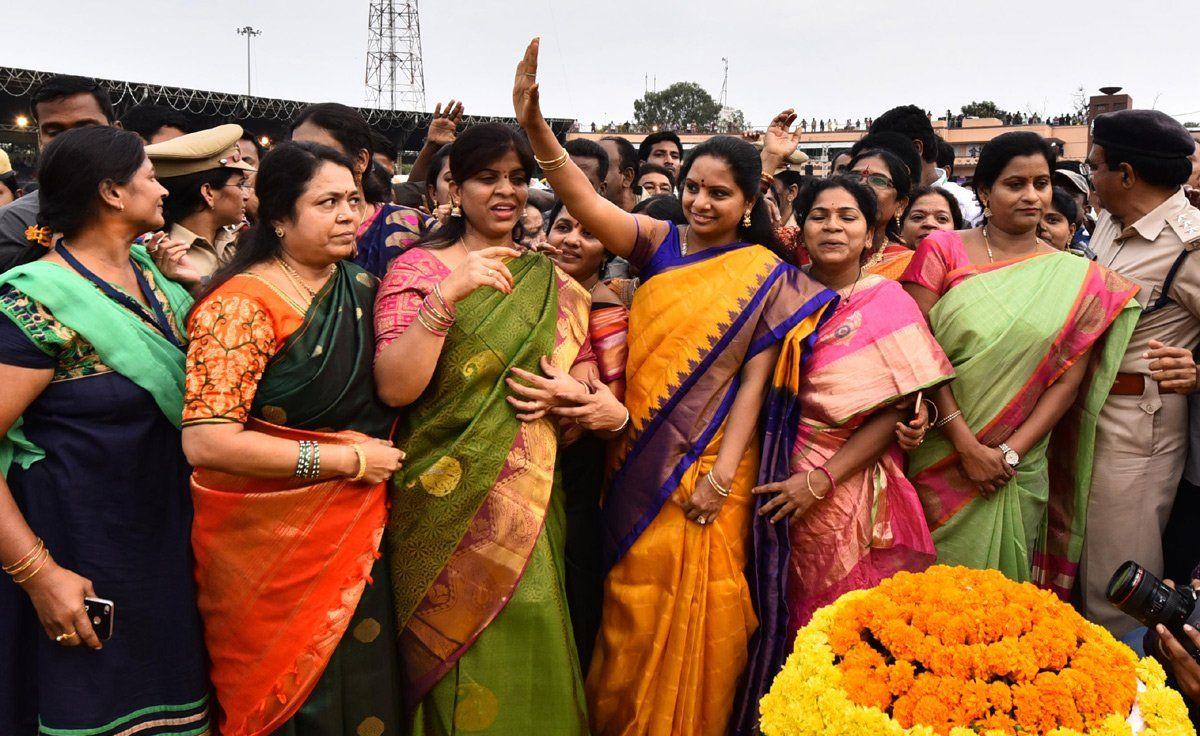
444, 127
780, 140
527, 104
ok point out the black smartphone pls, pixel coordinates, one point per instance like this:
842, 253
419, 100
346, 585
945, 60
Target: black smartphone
103, 614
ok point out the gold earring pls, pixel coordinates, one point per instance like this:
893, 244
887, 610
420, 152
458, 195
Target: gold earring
454, 209
897, 220
746, 219
987, 211
121, 206
279, 232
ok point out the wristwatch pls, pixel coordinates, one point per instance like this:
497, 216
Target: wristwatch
1010, 455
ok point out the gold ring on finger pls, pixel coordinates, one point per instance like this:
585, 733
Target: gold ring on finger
65, 637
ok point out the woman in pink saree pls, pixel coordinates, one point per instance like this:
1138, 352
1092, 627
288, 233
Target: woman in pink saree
851, 517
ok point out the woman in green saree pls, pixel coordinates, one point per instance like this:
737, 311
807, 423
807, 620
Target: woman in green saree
1035, 336
282, 423
476, 531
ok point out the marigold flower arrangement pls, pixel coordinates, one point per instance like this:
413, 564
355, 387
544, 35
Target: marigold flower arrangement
959, 652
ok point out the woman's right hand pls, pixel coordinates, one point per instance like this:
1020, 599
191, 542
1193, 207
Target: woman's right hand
985, 467
526, 99
383, 460
57, 595
481, 268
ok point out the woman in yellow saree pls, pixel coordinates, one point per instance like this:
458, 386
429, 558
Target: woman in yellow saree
705, 328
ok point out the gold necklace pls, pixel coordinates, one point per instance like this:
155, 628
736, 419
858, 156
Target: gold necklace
987, 243
297, 280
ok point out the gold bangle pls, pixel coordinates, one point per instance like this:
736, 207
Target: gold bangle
26, 559
722, 492
45, 558
808, 482
425, 323
554, 164
362, 463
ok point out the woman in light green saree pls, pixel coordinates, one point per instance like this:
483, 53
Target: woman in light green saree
1035, 337
477, 526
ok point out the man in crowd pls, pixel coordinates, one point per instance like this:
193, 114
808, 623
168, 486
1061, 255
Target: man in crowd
911, 121
155, 123
840, 163
663, 149
591, 159
945, 158
622, 171
1148, 232
62, 103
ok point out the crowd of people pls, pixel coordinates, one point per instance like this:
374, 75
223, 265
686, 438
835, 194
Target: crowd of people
556, 439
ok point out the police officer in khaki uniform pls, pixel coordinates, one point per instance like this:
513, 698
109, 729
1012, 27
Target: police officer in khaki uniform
208, 187
1148, 233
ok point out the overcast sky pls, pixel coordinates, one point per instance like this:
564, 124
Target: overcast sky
835, 59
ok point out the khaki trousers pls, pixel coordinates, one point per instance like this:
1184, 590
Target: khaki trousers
1141, 446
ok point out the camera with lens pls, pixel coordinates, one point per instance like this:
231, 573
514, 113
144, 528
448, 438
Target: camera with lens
1136, 592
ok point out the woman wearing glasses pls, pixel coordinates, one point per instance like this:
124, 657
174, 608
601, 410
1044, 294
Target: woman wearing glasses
887, 176
208, 189
1035, 336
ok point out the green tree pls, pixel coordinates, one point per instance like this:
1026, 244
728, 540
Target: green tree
983, 109
683, 105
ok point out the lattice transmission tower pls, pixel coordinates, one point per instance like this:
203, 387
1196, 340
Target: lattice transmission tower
395, 74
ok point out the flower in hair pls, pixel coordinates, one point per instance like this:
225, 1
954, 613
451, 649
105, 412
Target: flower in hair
43, 236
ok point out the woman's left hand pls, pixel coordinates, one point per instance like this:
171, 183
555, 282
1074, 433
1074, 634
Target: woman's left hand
542, 393
911, 434
704, 504
793, 496
171, 257
596, 409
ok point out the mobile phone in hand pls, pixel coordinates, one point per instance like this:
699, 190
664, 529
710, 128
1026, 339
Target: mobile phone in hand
102, 613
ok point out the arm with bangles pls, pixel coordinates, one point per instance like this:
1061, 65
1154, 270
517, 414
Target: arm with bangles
56, 593
864, 448
711, 490
616, 228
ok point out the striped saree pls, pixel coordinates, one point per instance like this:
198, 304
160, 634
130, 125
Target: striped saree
677, 613
1011, 329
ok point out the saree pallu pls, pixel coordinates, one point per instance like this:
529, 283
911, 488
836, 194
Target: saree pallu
890, 262
872, 350
1011, 331
392, 230
476, 527
285, 566
677, 612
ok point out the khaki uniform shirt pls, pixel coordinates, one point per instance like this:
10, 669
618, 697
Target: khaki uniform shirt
1144, 252
205, 255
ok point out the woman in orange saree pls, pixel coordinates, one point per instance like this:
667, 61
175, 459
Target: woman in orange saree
893, 183
286, 434
705, 327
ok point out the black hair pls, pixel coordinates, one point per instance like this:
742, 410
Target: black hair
743, 159
1005, 147
863, 196
382, 144
259, 149
283, 175
185, 196
945, 155
584, 148
62, 86
665, 207
951, 204
475, 149
649, 168
663, 135
409, 194
628, 155
146, 120
788, 178
914, 124
1159, 172
346, 126
72, 168
1062, 201
380, 182
902, 152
